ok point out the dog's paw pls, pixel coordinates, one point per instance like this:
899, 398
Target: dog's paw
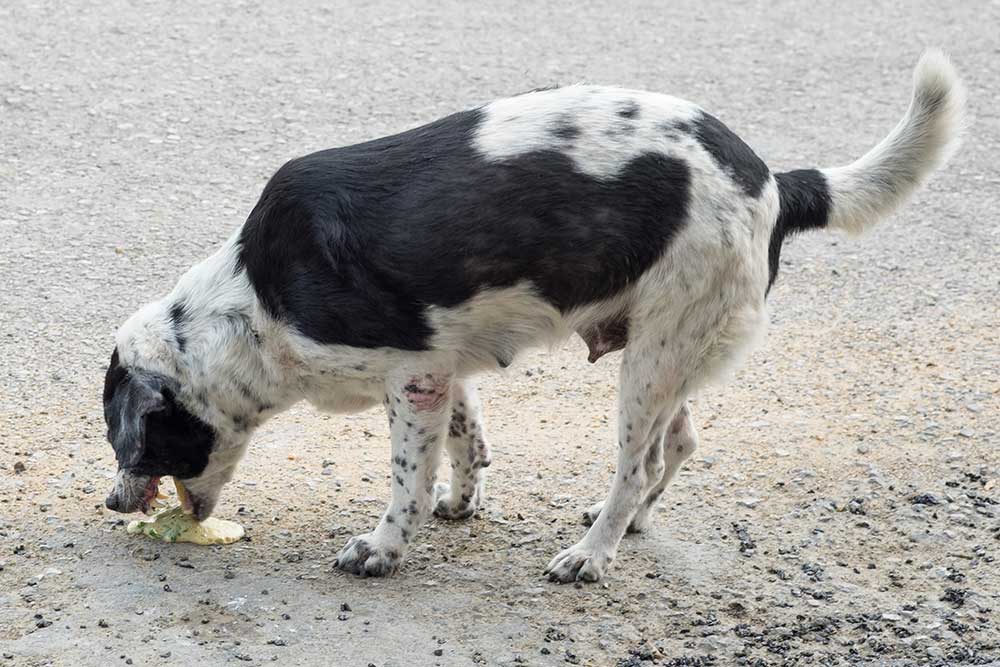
578, 563
639, 523
454, 509
365, 556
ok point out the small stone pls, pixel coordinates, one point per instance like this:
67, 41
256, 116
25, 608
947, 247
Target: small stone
748, 501
19, 467
438, 652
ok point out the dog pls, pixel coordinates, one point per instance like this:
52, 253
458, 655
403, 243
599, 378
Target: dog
395, 270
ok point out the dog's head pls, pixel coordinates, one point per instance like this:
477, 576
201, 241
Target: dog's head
153, 435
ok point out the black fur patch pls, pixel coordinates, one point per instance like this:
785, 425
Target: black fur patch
151, 432
731, 154
178, 319
804, 198
350, 245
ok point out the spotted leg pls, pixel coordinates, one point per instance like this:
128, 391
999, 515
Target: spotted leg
680, 443
469, 454
419, 407
649, 394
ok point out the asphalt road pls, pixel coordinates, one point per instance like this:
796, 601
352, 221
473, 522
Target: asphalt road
842, 509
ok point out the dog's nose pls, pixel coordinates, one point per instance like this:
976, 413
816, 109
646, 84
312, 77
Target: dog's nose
113, 502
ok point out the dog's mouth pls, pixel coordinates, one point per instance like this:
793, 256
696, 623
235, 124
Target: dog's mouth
151, 496
141, 493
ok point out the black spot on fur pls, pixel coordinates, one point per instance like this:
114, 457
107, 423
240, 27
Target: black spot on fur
629, 110
804, 203
351, 245
673, 129
565, 129
246, 391
178, 319
731, 154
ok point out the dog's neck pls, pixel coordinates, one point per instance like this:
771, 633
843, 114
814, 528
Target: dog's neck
211, 335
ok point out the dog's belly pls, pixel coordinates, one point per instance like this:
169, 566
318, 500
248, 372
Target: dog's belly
342, 403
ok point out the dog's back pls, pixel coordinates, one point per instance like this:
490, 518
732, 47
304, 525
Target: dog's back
569, 194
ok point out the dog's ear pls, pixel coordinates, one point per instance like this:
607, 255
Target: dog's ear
130, 396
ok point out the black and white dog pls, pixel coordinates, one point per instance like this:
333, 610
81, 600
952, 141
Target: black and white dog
393, 270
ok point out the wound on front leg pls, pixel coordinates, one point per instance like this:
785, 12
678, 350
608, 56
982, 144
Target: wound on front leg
427, 393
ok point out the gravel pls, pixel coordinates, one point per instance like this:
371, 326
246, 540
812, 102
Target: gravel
843, 508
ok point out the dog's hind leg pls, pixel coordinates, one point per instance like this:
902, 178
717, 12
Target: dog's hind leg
679, 444
419, 407
469, 453
652, 390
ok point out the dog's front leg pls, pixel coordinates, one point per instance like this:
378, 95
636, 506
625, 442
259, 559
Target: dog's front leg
419, 407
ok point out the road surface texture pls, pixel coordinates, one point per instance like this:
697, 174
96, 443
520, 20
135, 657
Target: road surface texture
842, 508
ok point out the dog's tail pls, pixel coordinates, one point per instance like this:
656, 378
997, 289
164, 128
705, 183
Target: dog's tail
854, 197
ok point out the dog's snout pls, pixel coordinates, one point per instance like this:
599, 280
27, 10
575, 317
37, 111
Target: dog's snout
113, 502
